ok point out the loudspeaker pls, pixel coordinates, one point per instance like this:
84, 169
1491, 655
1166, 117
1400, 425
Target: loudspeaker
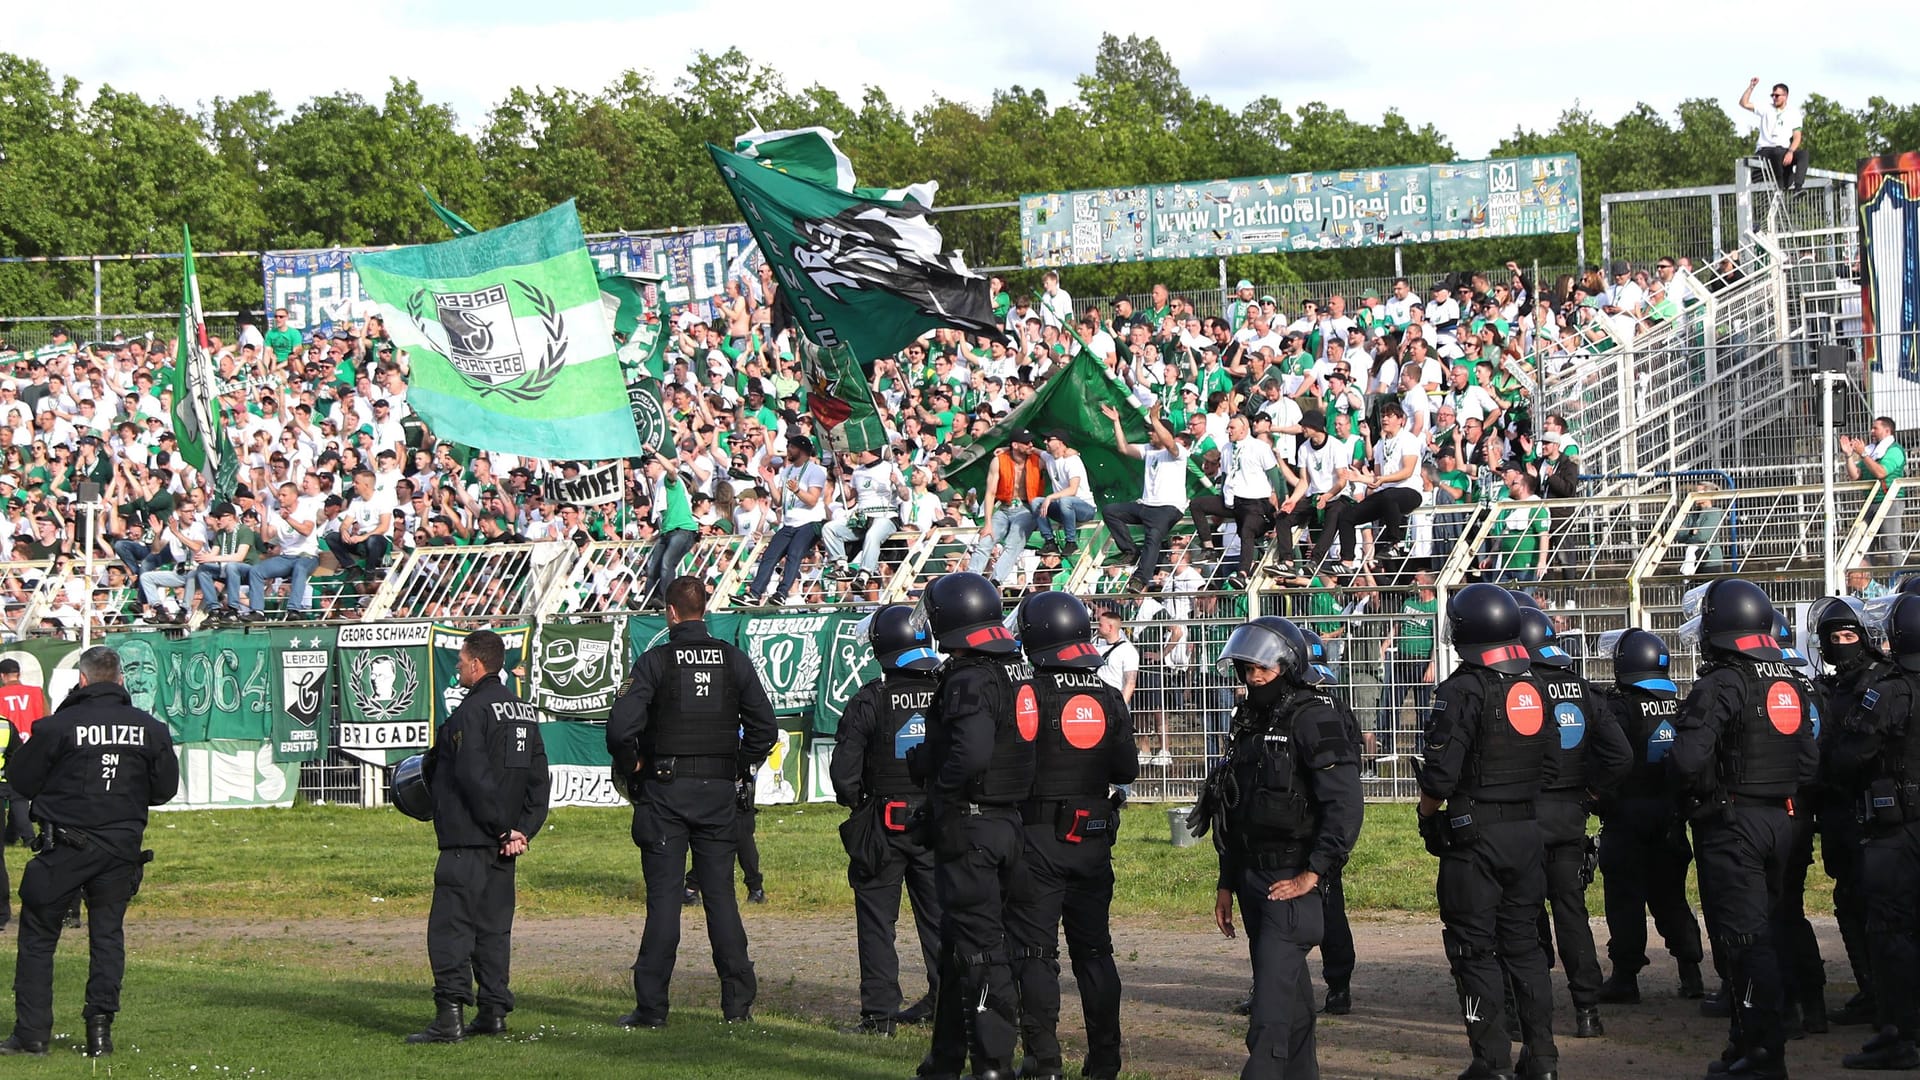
1832, 359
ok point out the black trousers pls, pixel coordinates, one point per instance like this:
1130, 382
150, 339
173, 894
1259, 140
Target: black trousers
1156, 524
746, 850
1337, 956
1803, 975
470, 927
1563, 826
876, 913
1073, 882
1252, 518
19, 820
1841, 851
670, 818
1490, 892
1742, 858
1338, 521
1305, 516
1280, 1036
1787, 177
1389, 507
1644, 856
109, 879
1890, 870
974, 1014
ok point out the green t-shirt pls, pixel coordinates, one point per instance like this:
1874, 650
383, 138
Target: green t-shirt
1415, 639
1895, 461
1521, 529
1322, 601
283, 342
1454, 478
678, 511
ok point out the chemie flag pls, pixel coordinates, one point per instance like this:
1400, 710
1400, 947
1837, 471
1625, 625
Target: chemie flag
508, 339
194, 411
868, 274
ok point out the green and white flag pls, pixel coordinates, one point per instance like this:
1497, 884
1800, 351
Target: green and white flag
508, 339
813, 154
578, 668
195, 412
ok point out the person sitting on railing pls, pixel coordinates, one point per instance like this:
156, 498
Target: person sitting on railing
1779, 136
877, 488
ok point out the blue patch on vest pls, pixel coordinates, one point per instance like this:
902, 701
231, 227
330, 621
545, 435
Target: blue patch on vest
1869, 700
1813, 714
1573, 724
1660, 742
911, 734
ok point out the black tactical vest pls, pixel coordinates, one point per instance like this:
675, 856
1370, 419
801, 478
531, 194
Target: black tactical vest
1015, 710
1515, 732
1647, 717
1571, 706
699, 715
1760, 753
903, 702
1077, 710
1270, 808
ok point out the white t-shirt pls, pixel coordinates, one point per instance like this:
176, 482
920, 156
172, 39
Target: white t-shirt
1284, 413
1400, 309
1473, 403
920, 511
1063, 471
305, 510
1628, 296
873, 488
1323, 463
1777, 125
793, 509
366, 513
1247, 462
1121, 657
1056, 308
1389, 457
1442, 312
1166, 483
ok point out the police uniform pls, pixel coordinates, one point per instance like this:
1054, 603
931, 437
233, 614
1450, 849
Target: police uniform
695, 720
1084, 744
1488, 743
1838, 806
1338, 956
884, 720
1803, 973
1742, 748
9, 743
1644, 852
1287, 800
487, 772
92, 769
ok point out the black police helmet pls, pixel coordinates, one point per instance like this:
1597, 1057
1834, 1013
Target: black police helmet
409, 793
1057, 632
1832, 615
1909, 584
1536, 633
1640, 659
1737, 617
1525, 599
1319, 672
1483, 623
897, 643
1269, 642
1903, 632
962, 611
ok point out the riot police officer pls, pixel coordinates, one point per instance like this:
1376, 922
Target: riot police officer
1841, 642
487, 773
1878, 752
1084, 745
92, 769
695, 723
1644, 852
978, 765
884, 720
1803, 974
1337, 956
1742, 748
1287, 808
1487, 747
1590, 757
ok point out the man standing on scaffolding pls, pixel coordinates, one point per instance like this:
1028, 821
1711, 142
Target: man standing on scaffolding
1779, 142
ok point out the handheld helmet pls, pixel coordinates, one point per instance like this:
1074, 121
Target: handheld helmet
409, 793
1319, 672
1525, 599
1640, 660
1056, 631
1537, 634
962, 612
1734, 616
1269, 642
897, 643
1483, 623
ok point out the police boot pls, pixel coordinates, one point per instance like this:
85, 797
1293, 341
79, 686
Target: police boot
15, 1045
1691, 987
1621, 988
1243, 1007
1339, 1001
1887, 1050
488, 1021
1586, 1023
446, 1027
1480, 1070
1792, 1024
1715, 1005
1813, 1009
915, 1013
871, 1024
1859, 1009
1032, 1068
1756, 1064
99, 1035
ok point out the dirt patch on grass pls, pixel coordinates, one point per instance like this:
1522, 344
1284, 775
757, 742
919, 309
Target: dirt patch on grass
1180, 979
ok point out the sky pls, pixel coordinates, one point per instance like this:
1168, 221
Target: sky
468, 53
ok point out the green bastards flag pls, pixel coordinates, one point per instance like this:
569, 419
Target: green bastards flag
508, 339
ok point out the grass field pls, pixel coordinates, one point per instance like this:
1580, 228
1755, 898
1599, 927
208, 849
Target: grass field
327, 994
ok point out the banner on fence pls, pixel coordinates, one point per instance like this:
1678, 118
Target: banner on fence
1889, 195
779, 779
49, 664
578, 668
225, 774
790, 653
850, 665
579, 765
819, 771
445, 660
386, 690
216, 686
594, 487
1302, 212
303, 693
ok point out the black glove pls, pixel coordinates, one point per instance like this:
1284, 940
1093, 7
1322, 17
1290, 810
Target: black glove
743, 794
1433, 833
917, 764
1589, 861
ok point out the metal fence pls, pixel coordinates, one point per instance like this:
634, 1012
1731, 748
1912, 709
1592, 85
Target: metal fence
1703, 223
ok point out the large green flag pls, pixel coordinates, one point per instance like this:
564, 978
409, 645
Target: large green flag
813, 154
868, 274
1069, 403
508, 339
194, 411
839, 398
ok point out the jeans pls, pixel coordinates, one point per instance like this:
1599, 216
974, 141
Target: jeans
1156, 523
790, 545
153, 583
297, 568
369, 553
879, 529
663, 562
1011, 527
138, 556
1071, 512
233, 574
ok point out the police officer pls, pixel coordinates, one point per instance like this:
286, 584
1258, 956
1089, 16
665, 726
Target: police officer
1877, 751
487, 772
1644, 852
881, 722
1287, 807
92, 769
1803, 974
1742, 748
1084, 744
1841, 643
1590, 757
9, 742
977, 765
695, 722
1487, 747
1337, 956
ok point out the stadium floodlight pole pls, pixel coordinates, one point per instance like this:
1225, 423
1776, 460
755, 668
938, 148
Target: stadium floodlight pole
1833, 575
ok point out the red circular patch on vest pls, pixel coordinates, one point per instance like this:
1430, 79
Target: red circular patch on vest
1783, 707
1525, 713
1084, 722
1026, 713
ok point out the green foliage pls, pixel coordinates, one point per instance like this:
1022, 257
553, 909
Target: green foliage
112, 173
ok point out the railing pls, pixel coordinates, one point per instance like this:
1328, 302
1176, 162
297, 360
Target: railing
471, 584
29, 592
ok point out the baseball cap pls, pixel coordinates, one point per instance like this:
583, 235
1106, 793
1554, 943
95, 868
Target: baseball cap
1620, 267
1023, 437
221, 509
1269, 300
1244, 284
